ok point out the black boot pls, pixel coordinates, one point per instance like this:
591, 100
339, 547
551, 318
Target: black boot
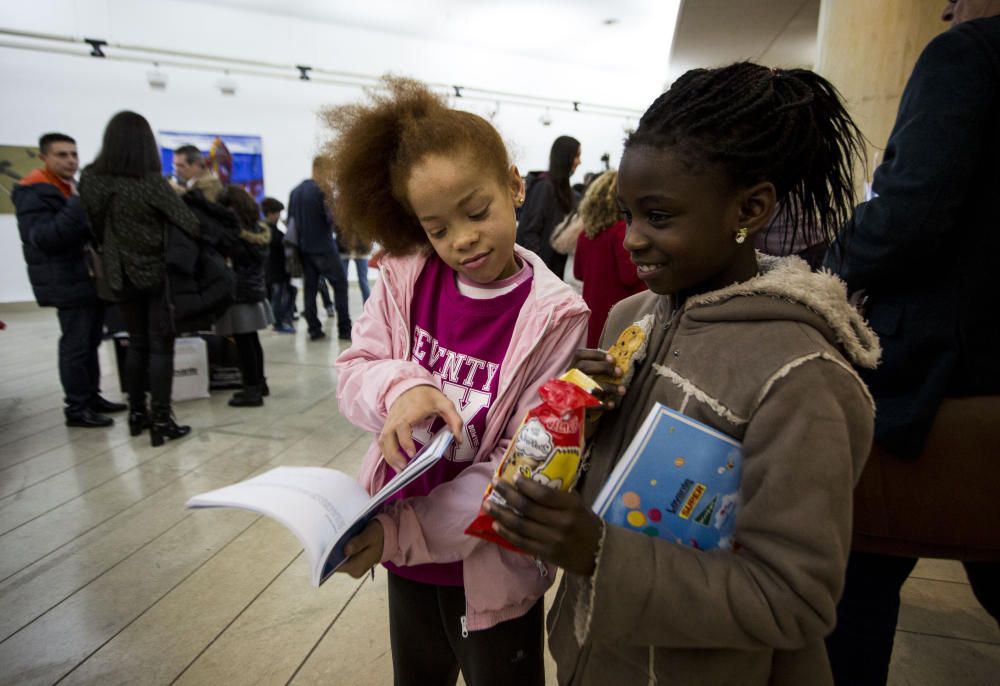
250, 396
264, 390
138, 419
164, 428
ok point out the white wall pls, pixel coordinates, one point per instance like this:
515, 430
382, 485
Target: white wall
78, 95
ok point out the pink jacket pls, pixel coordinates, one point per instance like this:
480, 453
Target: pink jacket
376, 369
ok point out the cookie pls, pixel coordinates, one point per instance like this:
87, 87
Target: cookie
629, 349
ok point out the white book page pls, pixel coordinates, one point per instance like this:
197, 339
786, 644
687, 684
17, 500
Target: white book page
317, 504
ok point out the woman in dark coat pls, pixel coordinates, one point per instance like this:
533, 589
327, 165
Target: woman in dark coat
251, 311
130, 206
549, 199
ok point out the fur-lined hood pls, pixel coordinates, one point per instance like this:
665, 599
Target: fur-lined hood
259, 235
790, 280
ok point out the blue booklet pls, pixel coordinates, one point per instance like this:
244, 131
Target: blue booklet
678, 479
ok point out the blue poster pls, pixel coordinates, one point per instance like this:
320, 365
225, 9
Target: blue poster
234, 159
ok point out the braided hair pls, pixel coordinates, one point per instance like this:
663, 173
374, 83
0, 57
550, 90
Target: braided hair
788, 127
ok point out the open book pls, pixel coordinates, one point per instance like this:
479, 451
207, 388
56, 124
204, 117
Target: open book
324, 508
679, 480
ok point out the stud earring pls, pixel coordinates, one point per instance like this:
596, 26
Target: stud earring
741, 235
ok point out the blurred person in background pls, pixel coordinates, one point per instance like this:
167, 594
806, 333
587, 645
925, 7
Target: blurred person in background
129, 204
549, 198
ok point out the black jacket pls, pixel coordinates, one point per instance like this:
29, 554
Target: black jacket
927, 248
201, 284
130, 217
277, 268
313, 225
541, 214
249, 259
53, 232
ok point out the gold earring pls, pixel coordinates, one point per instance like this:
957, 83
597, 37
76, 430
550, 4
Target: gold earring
741, 235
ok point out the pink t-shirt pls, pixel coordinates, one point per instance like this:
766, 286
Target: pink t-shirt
462, 340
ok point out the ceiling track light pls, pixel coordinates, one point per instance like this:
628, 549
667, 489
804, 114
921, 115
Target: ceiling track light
258, 68
157, 79
227, 84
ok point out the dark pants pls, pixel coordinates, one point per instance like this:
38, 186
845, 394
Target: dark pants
330, 268
324, 292
282, 301
150, 360
861, 645
428, 648
251, 358
79, 369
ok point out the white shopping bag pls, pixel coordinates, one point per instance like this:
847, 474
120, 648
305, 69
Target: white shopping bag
190, 369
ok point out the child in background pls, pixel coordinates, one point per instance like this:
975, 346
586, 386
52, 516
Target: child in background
250, 310
758, 348
460, 330
279, 280
601, 262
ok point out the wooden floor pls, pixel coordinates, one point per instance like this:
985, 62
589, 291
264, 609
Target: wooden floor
106, 579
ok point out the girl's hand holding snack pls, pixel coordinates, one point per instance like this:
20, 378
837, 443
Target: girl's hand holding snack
597, 363
552, 525
364, 551
417, 405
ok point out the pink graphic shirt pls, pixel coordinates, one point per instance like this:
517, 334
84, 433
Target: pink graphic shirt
461, 332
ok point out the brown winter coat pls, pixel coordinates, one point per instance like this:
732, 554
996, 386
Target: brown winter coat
767, 361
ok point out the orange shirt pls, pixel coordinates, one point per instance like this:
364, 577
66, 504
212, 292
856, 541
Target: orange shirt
43, 175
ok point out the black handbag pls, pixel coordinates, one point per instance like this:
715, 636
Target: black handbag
95, 268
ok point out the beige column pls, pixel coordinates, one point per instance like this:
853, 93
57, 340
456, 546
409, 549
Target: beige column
867, 49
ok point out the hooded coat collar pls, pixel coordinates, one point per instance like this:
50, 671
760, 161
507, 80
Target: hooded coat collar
792, 286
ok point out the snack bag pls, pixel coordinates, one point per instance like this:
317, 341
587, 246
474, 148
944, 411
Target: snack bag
547, 447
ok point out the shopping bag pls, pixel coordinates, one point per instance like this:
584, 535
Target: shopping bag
190, 369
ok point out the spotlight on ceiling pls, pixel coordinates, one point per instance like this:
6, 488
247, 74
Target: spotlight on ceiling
546, 118
156, 79
226, 85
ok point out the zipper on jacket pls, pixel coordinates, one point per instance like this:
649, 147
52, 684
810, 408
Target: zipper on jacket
387, 274
543, 571
465, 627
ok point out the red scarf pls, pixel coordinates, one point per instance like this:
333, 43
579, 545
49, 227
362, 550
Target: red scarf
44, 175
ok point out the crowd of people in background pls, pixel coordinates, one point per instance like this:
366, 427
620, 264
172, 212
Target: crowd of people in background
118, 233
727, 225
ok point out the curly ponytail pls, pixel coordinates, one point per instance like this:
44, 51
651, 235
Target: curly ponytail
378, 143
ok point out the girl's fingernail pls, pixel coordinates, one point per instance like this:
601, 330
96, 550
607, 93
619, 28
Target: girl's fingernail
610, 404
621, 390
618, 371
609, 358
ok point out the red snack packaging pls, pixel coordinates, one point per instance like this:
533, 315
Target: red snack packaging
547, 447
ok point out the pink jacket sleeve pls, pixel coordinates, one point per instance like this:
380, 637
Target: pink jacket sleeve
370, 377
432, 528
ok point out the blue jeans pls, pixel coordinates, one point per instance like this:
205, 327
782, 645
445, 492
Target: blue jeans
79, 370
329, 267
282, 300
361, 265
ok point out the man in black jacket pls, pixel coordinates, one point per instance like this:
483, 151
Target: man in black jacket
54, 232
926, 250
315, 234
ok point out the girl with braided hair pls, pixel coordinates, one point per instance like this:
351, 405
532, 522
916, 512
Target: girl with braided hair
759, 348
